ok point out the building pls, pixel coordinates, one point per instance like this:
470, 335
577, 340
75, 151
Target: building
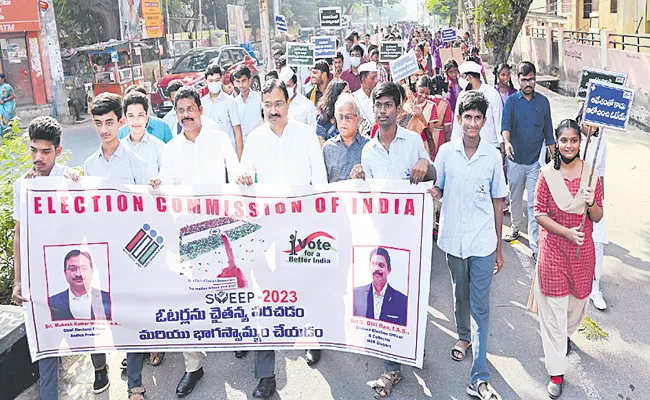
612, 15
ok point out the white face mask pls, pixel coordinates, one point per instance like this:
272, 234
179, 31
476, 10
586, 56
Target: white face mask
463, 82
214, 87
355, 61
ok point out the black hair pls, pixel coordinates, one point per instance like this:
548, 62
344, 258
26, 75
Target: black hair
424, 81
450, 64
174, 85
438, 85
474, 49
242, 70
380, 251
106, 102
45, 128
497, 71
328, 100
526, 68
372, 47
213, 69
76, 253
3, 76
135, 98
565, 124
272, 84
135, 88
187, 92
272, 74
473, 100
358, 48
387, 89
339, 55
373, 52
421, 46
322, 66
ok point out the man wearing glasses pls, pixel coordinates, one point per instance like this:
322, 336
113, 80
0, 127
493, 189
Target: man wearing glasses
526, 123
343, 152
280, 151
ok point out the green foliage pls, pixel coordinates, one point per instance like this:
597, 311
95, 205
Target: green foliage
445, 9
496, 17
592, 331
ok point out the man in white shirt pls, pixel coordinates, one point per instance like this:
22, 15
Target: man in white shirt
197, 155
248, 101
44, 148
221, 108
368, 76
113, 160
280, 151
491, 131
300, 108
149, 147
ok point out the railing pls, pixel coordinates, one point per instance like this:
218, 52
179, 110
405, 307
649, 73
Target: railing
638, 42
582, 37
538, 33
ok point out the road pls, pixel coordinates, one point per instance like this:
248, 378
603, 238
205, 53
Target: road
617, 367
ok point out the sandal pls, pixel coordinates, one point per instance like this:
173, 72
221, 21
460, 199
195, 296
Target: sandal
136, 393
458, 352
486, 394
123, 364
155, 359
384, 385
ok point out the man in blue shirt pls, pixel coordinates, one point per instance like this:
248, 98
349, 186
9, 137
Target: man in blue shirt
470, 179
155, 126
526, 123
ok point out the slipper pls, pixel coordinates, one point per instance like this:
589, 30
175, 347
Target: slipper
155, 359
488, 394
459, 349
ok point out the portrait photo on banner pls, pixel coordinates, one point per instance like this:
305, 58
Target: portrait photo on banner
78, 281
380, 283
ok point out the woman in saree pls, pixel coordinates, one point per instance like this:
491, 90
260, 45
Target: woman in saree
7, 103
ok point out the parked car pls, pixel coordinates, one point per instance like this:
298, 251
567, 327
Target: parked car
190, 68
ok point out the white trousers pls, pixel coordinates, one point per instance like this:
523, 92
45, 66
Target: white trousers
559, 318
193, 361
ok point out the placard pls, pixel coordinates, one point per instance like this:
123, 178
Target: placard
330, 17
300, 54
232, 268
598, 75
448, 35
608, 105
404, 66
390, 51
325, 46
281, 23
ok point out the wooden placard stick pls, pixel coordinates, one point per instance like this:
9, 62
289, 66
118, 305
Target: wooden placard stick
591, 175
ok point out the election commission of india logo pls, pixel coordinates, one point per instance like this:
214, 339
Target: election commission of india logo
314, 248
144, 246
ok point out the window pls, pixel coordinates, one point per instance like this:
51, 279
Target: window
613, 6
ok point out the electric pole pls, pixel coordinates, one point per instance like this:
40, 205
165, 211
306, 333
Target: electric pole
56, 66
264, 32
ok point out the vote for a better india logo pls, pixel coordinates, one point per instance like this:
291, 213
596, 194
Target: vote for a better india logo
315, 248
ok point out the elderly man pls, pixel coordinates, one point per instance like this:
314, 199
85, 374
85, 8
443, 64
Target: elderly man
342, 152
300, 108
368, 76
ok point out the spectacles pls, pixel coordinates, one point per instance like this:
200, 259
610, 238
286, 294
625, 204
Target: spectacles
346, 117
527, 80
277, 104
75, 268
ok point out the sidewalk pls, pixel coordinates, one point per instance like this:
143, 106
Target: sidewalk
615, 368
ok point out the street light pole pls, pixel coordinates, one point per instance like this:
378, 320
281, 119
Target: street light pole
264, 32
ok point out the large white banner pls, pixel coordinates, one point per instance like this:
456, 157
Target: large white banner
344, 266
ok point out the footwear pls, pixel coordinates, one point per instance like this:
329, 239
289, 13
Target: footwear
458, 352
137, 393
534, 256
475, 391
568, 346
101, 380
188, 381
265, 388
383, 386
512, 236
555, 389
241, 354
598, 300
313, 357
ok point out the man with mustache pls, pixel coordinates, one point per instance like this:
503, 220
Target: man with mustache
379, 300
280, 151
197, 155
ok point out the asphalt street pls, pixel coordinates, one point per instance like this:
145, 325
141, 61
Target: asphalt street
616, 367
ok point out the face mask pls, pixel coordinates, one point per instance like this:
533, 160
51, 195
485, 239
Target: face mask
355, 61
463, 82
214, 87
569, 160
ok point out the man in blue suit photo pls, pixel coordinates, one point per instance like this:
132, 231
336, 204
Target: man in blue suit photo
80, 300
379, 300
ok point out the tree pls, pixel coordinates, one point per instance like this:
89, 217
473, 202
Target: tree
445, 9
502, 21
82, 22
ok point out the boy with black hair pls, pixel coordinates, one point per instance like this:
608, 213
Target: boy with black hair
149, 147
44, 148
153, 125
471, 180
249, 102
113, 160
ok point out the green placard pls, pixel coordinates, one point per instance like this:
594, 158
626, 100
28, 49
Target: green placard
300, 54
598, 75
390, 51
